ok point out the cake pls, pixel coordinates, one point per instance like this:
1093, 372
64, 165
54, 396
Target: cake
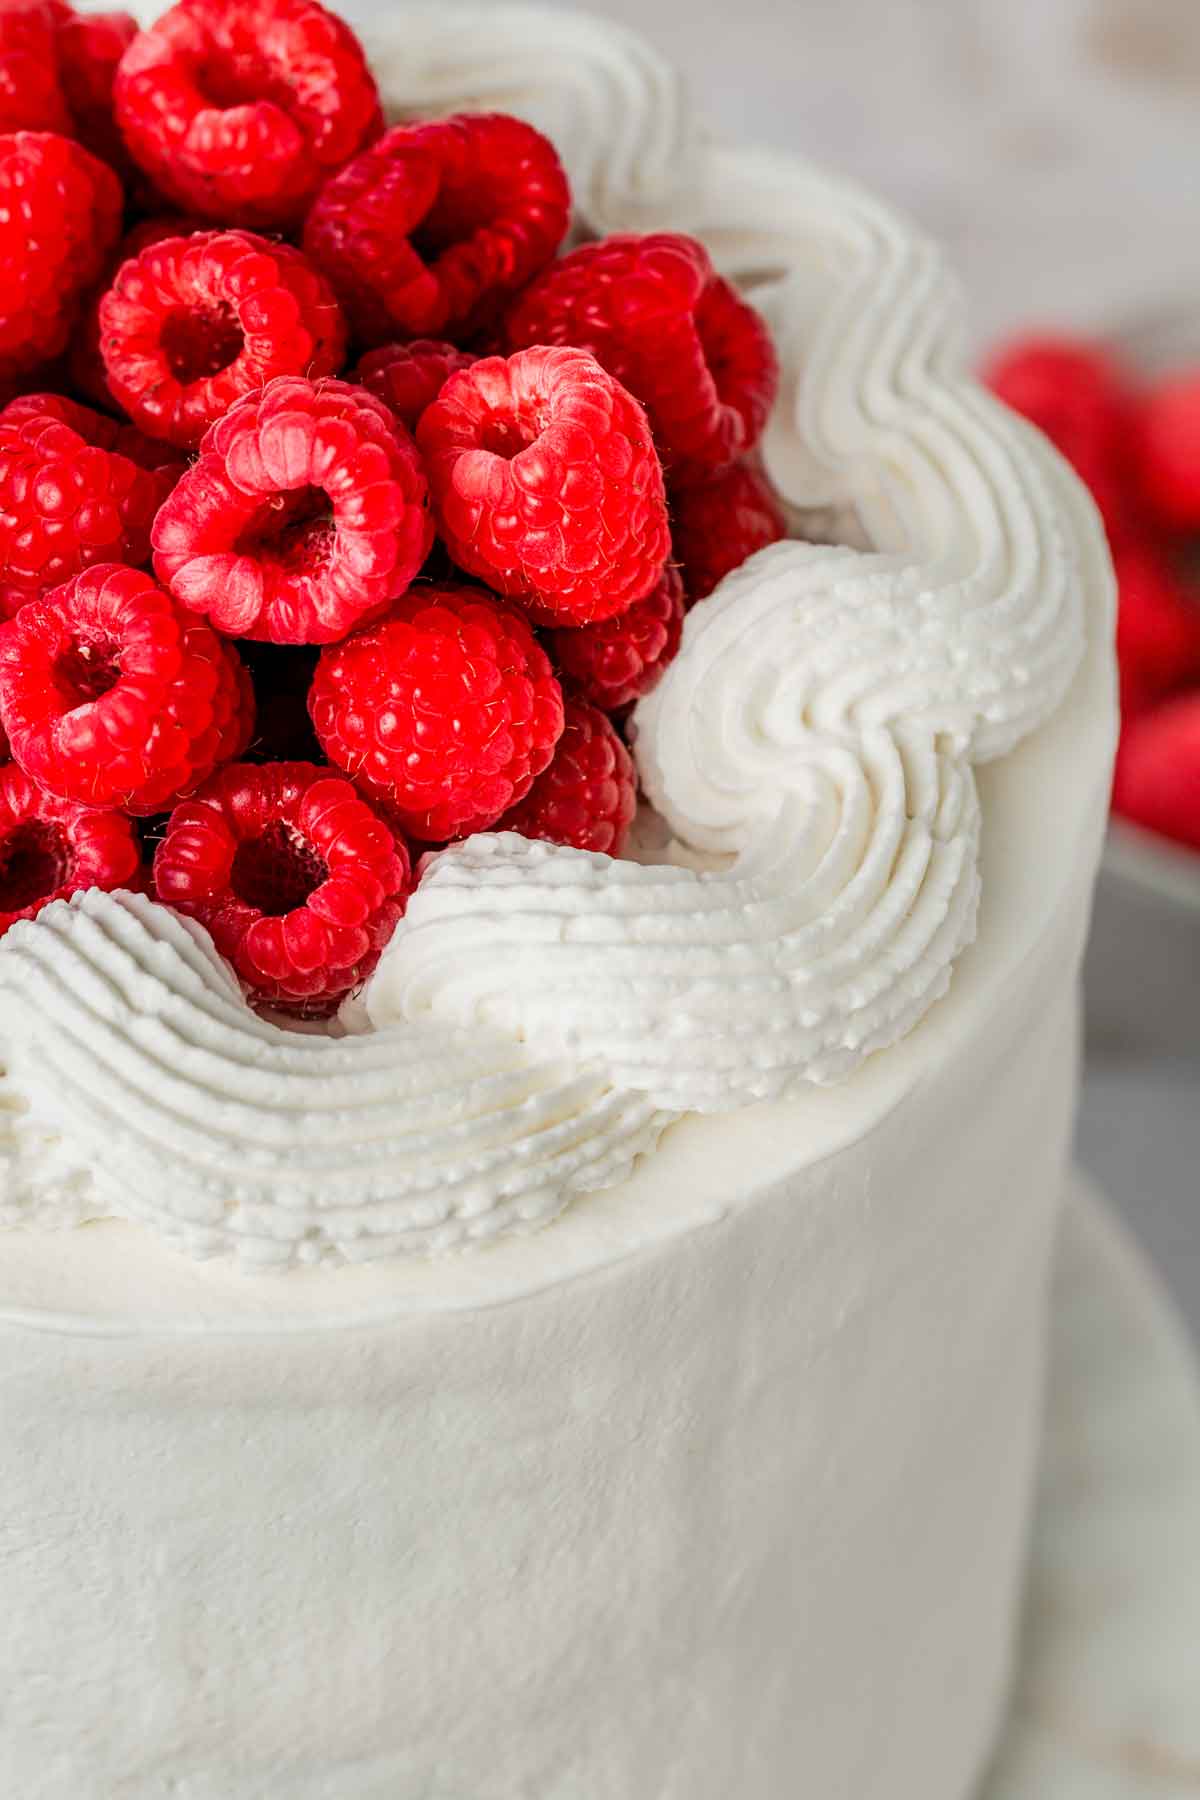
610, 1366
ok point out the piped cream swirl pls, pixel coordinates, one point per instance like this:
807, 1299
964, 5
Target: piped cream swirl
542, 1014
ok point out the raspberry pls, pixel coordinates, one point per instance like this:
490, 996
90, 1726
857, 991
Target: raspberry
76, 488
295, 876
1076, 394
1157, 782
1167, 449
409, 377
89, 46
31, 94
717, 524
60, 213
113, 696
239, 109
51, 848
85, 364
447, 709
434, 227
615, 662
546, 483
1158, 622
306, 512
193, 323
588, 795
652, 310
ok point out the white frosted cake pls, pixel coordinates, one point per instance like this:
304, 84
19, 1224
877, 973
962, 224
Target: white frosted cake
610, 1367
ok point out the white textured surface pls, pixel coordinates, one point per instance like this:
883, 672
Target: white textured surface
678, 1527
550, 1012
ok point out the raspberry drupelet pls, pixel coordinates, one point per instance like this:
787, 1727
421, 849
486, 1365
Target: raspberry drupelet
653, 311
239, 109
191, 324
616, 662
60, 215
446, 709
546, 484
76, 488
718, 523
89, 47
113, 696
31, 91
409, 377
587, 797
434, 228
306, 512
294, 874
50, 849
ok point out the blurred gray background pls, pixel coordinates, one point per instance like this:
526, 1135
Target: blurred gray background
1054, 145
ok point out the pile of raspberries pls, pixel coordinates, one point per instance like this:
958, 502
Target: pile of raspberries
340, 516
1137, 446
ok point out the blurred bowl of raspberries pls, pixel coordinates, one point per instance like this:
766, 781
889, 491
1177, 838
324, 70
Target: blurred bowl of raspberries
1126, 413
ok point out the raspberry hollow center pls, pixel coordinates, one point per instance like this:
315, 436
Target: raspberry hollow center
199, 344
87, 670
35, 861
459, 211
242, 79
505, 435
276, 872
294, 530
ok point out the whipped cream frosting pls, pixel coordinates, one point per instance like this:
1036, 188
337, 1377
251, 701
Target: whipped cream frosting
542, 1014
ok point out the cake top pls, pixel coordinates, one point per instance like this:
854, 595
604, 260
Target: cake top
806, 871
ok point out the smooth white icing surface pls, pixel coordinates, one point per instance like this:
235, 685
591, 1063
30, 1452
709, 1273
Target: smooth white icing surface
541, 1014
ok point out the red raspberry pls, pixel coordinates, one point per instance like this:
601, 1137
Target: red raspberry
76, 488
1075, 393
447, 708
52, 848
239, 109
1157, 781
85, 365
652, 310
436, 225
1167, 449
193, 323
718, 523
615, 662
90, 45
546, 483
295, 876
306, 512
1158, 622
588, 795
31, 95
409, 377
60, 214
113, 696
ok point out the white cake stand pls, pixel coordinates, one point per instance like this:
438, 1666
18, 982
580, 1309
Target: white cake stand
1107, 1702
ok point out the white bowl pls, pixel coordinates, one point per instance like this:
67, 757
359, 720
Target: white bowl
1142, 972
